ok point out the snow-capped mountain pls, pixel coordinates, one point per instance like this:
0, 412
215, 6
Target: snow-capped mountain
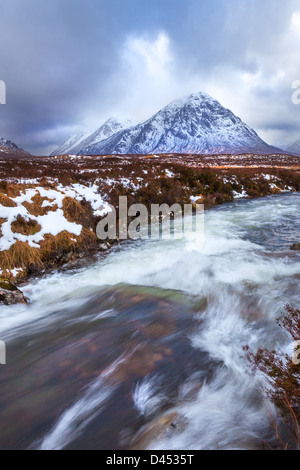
78, 143
194, 124
294, 148
111, 127
70, 143
10, 148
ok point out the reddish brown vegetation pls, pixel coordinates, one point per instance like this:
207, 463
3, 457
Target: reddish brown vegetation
282, 373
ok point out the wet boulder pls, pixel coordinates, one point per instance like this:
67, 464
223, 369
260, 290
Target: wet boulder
161, 427
10, 294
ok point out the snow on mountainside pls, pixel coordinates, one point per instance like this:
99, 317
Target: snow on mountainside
78, 142
70, 143
195, 124
294, 148
7, 147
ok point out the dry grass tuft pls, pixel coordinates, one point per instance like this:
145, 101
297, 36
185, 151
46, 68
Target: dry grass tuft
20, 255
6, 201
53, 249
65, 243
1, 222
20, 225
73, 210
55, 246
78, 212
35, 207
87, 239
11, 189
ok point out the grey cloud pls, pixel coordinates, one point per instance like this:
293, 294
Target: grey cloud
64, 66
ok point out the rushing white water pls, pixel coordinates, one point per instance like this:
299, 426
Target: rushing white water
248, 275
73, 420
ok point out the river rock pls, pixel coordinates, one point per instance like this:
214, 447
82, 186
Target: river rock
10, 294
160, 428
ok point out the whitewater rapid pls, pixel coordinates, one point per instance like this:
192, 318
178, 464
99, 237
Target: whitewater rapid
247, 274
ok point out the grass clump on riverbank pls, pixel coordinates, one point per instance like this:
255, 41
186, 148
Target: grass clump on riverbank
283, 372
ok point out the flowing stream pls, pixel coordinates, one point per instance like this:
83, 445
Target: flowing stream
144, 348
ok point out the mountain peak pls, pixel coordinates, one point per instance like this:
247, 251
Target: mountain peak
10, 148
200, 96
4, 143
193, 100
75, 143
114, 120
196, 123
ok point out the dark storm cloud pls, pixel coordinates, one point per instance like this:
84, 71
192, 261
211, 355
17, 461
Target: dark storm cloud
73, 62
52, 55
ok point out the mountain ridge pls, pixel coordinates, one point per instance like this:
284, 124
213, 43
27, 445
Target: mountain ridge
75, 143
195, 124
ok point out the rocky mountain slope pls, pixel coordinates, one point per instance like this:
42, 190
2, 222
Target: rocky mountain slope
72, 142
8, 148
195, 124
77, 143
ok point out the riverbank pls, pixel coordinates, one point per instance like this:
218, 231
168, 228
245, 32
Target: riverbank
50, 206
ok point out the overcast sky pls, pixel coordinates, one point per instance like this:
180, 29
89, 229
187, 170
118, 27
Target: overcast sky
71, 64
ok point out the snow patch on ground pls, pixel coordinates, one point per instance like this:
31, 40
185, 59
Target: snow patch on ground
169, 173
237, 195
194, 199
54, 222
14, 271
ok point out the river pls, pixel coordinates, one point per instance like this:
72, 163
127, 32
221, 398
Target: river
144, 348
